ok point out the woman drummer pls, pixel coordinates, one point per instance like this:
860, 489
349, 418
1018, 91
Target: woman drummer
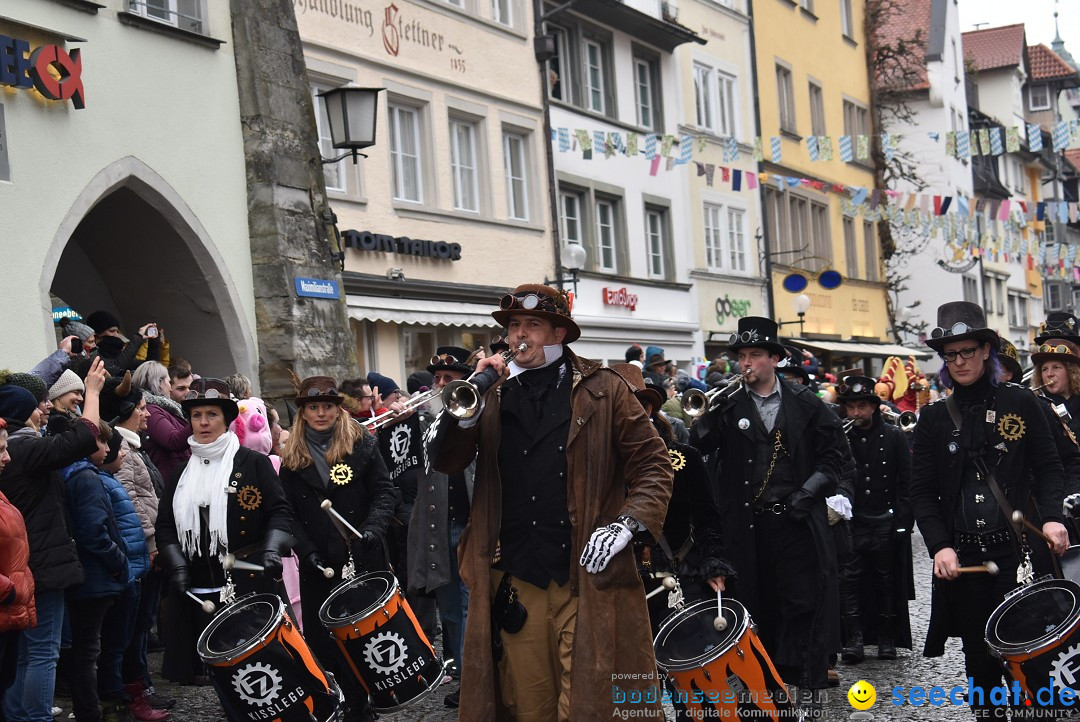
331, 457
225, 499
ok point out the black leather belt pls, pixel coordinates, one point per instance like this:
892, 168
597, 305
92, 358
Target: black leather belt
777, 508
983, 540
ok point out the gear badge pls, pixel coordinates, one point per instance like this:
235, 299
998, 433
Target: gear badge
257, 684
1065, 670
341, 474
1011, 427
386, 653
678, 460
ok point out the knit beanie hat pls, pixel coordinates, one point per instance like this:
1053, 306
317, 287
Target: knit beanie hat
418, 380
68, 381
386, 384
34, 384
16, 403
115, 442
71, 327
102, 321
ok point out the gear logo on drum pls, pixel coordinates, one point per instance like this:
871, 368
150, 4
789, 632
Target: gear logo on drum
257, 684
385, 653
1065, 670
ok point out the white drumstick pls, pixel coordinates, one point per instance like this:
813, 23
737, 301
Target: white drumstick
206, 604
719, 624
326, 571
328, 506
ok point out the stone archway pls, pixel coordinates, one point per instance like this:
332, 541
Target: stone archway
130, 245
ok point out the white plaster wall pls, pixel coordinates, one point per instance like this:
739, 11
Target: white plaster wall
170, 104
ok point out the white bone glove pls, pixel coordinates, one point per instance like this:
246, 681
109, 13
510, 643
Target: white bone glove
1071, 506
605, 543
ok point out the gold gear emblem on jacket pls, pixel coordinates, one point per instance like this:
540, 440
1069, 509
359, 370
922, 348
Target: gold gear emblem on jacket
249, 498
1011, 427
678, 461
341, 474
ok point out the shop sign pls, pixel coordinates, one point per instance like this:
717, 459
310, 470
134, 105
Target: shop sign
20, 68
402, 245
620, 297
317, 288
727, 307
61, 312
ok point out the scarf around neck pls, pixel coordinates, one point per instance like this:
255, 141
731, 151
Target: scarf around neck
318, 443
203, 484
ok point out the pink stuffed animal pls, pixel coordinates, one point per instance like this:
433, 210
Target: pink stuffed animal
252, 427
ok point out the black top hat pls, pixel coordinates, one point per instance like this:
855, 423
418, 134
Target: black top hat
856, 388
960, 321
1059, 324
499, 344
758, 332
1010, 360
450, 358
1056, 349
211, 392
541, 301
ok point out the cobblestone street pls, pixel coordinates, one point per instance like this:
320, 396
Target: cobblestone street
199, 704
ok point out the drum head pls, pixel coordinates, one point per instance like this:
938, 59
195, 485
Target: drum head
240, 626
357, 598
1070, 563
688, 639
1034, 617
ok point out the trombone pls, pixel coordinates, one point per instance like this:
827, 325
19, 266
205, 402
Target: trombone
696, 402
905, 420
390, 415
462, 398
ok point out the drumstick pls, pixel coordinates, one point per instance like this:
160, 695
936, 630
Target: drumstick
988, 568
719, 624
1018, 518
229, 562
328, 506
206, 604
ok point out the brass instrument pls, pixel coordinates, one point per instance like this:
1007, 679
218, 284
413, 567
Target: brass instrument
905, 420
390, 415
461, 398
696, 402
847, 425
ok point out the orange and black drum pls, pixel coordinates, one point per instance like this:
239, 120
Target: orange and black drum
263, 669
379, 635
725, 674
1035, 633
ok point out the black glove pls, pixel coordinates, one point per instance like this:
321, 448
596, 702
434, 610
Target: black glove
177, 565
369, 541
276, 543
315, 562
802, 499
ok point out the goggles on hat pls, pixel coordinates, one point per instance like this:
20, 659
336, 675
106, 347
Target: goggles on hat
957, 329
533, 302
316, 391
1066, 325
1056, 348
444, 358
208, 394
746, 337
856, 388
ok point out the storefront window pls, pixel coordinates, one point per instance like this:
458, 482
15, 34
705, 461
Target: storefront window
419, 346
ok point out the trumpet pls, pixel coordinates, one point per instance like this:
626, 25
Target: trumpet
696, 402
390, 415
462, 398
905, 420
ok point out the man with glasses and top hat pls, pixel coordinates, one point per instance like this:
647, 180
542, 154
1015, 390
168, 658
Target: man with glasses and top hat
568, 472
876, 578
437, 523
979, 454
782, 454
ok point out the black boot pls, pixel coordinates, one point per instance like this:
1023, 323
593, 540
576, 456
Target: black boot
886, 637
853, 649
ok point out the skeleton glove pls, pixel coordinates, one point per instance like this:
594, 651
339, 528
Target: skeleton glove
605, 543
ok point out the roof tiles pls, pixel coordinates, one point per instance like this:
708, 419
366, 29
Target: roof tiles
995, 48
1048, 65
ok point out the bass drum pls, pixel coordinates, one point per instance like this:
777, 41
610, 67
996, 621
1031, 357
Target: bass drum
1035, 633
726, 675
263, 669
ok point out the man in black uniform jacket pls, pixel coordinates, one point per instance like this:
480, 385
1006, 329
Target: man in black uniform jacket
881, 521
781, 451
998, 444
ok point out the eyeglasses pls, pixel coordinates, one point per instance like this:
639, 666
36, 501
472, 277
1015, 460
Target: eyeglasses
746, 337
444, 358
1060, 348
316, 391
955, 330
965, 353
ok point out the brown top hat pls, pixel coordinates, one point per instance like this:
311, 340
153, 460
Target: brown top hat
542, 302
1056, 350
319, 388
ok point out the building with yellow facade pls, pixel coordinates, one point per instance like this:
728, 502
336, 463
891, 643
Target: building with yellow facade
812, 81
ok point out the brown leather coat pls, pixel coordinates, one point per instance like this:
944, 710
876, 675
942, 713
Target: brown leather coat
616, 464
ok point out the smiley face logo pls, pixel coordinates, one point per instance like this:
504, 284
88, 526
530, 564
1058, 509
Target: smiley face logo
862, 695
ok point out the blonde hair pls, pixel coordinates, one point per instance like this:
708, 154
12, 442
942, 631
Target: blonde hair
347, 432
1073, 371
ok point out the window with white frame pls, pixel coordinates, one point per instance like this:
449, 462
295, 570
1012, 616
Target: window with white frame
971, 289
570, 217
405, 157
1039, 96
714, 237
515, 157
502, 12
184, 14
870, 250
725, 238
726, 103
856, 119
785, 92
594, 76
605, 235
847, 24
1053, 295
463, 165
334, 173
817, 109
851, 248
1018, 311
655, 239
703, 95
646, 92
736, 236
798, 229
561, 65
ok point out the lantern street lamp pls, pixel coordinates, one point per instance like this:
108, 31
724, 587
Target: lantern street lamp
352, 113
800, 304
572, 259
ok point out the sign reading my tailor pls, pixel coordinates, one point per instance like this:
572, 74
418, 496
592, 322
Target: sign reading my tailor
620, 297
402, 245
317, 288
20, 68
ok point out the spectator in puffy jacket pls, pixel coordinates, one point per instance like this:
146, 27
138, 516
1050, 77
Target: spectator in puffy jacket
102, 551
167, 428
16, 581
32, 485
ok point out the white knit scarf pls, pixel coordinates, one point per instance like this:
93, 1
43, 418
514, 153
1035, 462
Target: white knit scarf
203, 483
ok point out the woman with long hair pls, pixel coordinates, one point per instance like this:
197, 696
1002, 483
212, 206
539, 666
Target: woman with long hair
330, 456
1057, 371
